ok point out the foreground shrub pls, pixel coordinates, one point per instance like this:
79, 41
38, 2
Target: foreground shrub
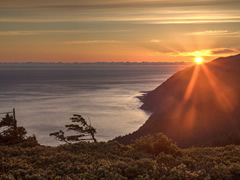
156, 144
111, 160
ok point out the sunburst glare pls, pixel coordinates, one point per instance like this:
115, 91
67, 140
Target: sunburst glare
198, 60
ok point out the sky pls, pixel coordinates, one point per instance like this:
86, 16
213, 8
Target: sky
119, 30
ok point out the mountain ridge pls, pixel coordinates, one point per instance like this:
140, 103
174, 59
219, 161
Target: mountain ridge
197, 106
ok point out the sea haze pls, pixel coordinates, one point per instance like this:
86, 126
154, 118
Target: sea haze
46, 95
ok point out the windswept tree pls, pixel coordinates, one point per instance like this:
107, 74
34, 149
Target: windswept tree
83, 130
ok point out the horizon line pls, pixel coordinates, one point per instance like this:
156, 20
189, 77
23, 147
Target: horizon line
101, 62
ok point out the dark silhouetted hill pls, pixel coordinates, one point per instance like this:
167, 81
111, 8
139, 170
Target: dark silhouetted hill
198, 106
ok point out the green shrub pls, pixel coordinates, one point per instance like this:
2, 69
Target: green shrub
156, 144
110, 160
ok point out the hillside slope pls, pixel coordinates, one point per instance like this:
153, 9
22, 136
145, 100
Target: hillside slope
198, 106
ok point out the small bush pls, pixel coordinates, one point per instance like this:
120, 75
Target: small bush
156, 144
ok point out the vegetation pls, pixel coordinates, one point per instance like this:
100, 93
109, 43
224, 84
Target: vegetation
85, 132
11, 134
150, 157
110, 160
156, 144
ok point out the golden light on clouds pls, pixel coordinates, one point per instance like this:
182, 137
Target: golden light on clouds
140, 30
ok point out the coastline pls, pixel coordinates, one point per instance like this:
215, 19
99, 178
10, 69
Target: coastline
142, 96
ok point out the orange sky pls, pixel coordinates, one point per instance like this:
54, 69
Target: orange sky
120, 30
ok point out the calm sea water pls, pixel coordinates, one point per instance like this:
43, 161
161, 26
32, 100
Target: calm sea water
46, 95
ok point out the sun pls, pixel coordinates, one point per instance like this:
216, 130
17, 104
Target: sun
198, 60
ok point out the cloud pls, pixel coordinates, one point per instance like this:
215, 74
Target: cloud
210, 32
17, 33
93, 42
117, 4
222, 33
225, 51
155, 41
24, 33
208, 52
203, 52
135, 11
137, 18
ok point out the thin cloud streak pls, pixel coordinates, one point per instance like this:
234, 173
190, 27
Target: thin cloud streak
219, 33
93, 42
118, 4
155, 41
208, 52
17, 33
24, 33
193, 21
225, 51
136, 20
140, 11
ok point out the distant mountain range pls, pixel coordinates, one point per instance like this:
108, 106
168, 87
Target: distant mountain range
2, 64
198, 106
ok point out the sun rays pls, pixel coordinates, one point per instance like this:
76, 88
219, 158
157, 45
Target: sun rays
203, 84
192, 82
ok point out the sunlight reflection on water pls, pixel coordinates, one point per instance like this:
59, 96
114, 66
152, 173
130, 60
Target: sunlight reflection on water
45, 98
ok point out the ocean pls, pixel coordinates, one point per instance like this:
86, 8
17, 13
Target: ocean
46, 95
